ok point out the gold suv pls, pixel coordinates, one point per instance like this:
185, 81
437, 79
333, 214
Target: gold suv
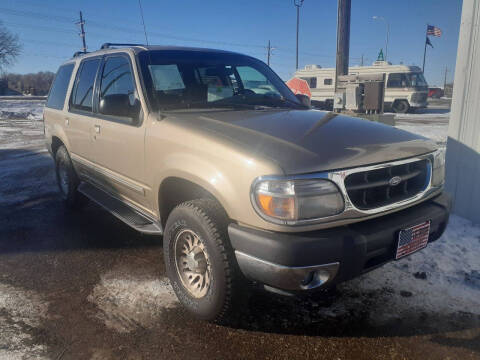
246, 183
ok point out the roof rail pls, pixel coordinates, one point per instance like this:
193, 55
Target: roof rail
78, 53
109, 45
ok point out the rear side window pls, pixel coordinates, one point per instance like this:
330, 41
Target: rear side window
58, 91
82, 94
397, 80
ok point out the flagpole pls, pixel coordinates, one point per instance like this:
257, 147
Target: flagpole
424, 54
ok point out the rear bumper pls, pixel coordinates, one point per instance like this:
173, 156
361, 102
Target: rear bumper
304, 261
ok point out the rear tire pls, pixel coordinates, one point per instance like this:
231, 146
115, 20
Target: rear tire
200, 261
67, 179
401, 106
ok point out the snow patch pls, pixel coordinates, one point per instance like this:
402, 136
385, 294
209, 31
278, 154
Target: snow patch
452, 282
435, 132
22, 109
20, 312
426, 115
128, 302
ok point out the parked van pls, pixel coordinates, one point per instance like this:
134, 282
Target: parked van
406, 88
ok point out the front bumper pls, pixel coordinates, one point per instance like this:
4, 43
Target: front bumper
415, 105
308, 260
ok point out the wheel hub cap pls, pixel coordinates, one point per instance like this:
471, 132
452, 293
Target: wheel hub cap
192, 263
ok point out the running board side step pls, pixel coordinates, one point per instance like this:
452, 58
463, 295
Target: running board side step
128, 214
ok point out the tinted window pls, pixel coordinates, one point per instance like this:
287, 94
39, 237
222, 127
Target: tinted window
397, 80
58, 91
327, 81
82, 96
255, 81
117, 89
117, 78
198, 79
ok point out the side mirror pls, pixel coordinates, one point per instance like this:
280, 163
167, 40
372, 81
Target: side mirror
304, 99
119, 105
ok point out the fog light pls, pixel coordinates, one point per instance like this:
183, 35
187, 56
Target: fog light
315, 279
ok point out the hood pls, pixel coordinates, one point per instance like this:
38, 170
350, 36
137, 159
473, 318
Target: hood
305, 141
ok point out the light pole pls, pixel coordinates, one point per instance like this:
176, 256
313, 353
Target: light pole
298, 4
388, 32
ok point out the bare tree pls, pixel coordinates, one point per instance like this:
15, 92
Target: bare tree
10, 47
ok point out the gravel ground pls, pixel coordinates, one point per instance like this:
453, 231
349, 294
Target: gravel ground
82, 285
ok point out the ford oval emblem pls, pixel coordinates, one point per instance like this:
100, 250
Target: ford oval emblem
394, 181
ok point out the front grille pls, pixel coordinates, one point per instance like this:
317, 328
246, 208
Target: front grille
372, 189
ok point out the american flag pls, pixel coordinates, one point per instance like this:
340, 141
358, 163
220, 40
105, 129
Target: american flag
413, 239
434, 31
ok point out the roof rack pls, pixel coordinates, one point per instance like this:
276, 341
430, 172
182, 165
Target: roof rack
109, 45
78, 53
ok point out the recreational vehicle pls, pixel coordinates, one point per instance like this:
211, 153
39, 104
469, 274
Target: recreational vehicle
406, 88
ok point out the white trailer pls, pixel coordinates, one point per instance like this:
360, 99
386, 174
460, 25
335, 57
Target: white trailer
406, 88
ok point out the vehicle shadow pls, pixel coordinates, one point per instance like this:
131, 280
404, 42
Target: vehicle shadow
345, 312
33, 217
432, 111
43, 223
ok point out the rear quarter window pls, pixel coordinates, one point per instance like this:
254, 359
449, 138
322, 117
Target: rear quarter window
58, 91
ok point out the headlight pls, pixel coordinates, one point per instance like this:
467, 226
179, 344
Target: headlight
290, 201
438, 171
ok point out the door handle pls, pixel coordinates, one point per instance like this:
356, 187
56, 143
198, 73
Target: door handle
67, 121
97, 129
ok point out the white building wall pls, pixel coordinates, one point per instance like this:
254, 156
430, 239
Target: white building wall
463, 146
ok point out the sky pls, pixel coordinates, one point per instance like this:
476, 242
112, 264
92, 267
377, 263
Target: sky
49, 34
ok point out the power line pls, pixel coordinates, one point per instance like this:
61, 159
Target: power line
287, 52
36, 15
102, 25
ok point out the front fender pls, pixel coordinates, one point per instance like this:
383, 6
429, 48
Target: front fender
201, 172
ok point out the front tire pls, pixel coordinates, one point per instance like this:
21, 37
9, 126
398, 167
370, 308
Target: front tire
67, 179
401, 106
200, 261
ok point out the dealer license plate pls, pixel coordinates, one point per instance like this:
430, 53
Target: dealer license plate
412, 239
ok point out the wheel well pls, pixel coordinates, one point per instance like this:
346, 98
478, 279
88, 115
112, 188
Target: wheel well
56, 143
174, 191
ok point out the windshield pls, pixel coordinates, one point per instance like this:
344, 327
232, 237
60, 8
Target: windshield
177, 79
406, 80
417, 79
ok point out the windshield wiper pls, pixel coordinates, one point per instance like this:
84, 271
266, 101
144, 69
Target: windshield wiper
206, 105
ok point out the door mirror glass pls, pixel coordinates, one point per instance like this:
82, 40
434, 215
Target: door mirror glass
119, 105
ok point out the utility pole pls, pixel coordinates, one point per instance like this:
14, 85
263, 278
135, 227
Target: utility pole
82, 32
343, 38
424, 55
298, 4
269, 52
361, 62
445, 79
